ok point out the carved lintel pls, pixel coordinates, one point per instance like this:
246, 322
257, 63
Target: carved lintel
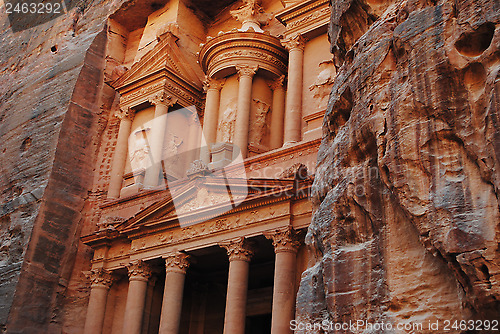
297, 171
178, 262
125, 113
246, 70
100, 278
277, 83
293, 43
109, 223
238, 250
163, 98
284, 240
211, 83
139, 271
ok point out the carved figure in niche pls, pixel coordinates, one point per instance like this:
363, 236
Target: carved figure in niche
226, 125
140, 158
171, 150
323, 83
260, 125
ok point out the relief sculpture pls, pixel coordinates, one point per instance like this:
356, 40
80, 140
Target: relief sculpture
323, 84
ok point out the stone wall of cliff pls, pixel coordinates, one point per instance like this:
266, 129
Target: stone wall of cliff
406, 227
50, 125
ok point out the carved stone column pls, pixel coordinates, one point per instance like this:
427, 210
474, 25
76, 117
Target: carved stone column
139, 273
286, 244
293, 114
162, 102
243, 113
211, 116
120, 155
277, 113
240, 253
101, 281
149, 304
176, 266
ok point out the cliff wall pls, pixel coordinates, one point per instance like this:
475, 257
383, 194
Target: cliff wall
406, 222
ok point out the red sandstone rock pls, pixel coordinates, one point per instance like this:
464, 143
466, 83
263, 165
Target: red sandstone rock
406, 194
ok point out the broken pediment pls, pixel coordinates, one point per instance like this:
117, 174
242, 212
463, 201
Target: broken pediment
164, 66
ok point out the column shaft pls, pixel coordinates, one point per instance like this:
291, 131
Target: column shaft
239, 252
119, 158
152, 177
278, 111
243, 111
294, 94
139, 274
96, 310
283, 292
172, 303
176, 266
236, 301
211, 115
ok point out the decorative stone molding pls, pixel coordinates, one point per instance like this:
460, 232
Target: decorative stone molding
238, 250
178, 262
163, 98
296, 171
100, 278
220, 55
294, 43
246, 70
109, 223
197, 168
277, 83
139, 271
125, 113
211, 83
284, 240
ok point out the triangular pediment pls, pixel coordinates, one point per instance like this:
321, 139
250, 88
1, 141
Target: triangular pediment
165, 56
206, 198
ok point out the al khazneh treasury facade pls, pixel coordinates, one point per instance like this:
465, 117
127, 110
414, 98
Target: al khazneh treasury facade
200, 199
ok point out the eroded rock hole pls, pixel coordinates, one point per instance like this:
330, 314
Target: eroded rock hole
53, 49
473, 44
475, 77
26, 144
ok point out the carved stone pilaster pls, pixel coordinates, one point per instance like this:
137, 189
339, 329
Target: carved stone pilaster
284, 240
211, 83
238, 250
296, 42
139, 271
178, 262
100, 278
245, 70
125, 112
277, 83
163, 98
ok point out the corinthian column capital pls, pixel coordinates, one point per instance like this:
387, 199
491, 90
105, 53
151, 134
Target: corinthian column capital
178, 262
294, 43
238, 250
246, 70
124, 113
284, 240
277, 83
163, 98
100, 278
139, 271
211, 83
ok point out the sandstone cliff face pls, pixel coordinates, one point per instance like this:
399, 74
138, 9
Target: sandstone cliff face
50, 121
406, 224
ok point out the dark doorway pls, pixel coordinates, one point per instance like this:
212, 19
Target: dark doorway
258, 324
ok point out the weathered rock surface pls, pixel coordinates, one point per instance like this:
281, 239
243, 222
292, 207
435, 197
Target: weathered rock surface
50, 121
406, 225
